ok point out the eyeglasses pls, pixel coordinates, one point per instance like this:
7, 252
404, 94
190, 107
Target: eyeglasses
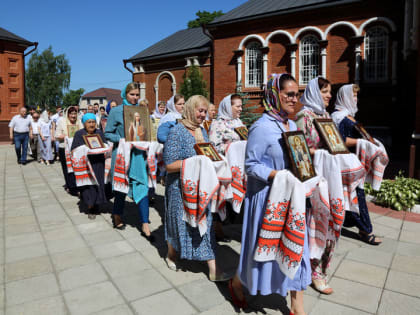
291, 95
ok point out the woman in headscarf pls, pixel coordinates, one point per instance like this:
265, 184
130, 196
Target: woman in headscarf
345, 111
44, 134
222, 130
93, 195
70, 122
114, 131
160, 111
111, 104
175, 107
265, 156
181, 237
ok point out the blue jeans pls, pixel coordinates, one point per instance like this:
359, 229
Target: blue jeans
21, 145
143, 206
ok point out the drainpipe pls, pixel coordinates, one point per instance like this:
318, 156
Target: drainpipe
125, 66
35, 44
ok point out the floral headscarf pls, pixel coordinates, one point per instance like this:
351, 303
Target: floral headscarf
271, 101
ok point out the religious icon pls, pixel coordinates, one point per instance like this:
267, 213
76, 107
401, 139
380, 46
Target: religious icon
242, 132
154, 126
299, 155
93, 141
137, 125
329, 133
71, 130
208, 150
206, 125
365, 135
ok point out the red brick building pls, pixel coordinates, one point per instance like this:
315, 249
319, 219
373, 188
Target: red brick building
370, 42
12, 77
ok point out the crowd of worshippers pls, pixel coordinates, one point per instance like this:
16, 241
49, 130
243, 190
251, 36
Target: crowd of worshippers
290, 226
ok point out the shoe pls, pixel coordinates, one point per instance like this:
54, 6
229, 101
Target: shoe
91, 216
220, 277
171, 265
322, 286
23, 162
150, 238
224, 239
238, 303
120, 225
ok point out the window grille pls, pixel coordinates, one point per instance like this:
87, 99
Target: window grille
253, 65
309, 59
376, 54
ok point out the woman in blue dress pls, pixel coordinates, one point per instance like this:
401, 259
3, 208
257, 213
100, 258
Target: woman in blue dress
114, 131
346, 109
184, 240
264, 157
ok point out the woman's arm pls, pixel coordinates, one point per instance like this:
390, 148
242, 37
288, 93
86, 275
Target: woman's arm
40, 134
111, 127
351, 142
174, 167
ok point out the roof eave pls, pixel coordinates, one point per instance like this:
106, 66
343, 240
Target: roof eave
213, 25
18, 41
171, 54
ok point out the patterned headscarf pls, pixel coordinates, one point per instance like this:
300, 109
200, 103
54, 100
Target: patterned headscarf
271, 101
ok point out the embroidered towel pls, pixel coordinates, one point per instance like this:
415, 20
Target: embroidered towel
374, 159
199, 183
235, 155
154, 156
283, 228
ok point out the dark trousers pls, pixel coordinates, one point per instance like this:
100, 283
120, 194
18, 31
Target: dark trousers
143, 206
361, 220
21, 145
36, 152
68, 177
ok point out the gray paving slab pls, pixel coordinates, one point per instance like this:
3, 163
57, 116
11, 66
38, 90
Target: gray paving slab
329, 308
81, 276
371, 256
203, 294
92, 298
403, 282
28, 268
363, 273
73, 258
125, 265
51, 305
25, 252
396, 303
153, 304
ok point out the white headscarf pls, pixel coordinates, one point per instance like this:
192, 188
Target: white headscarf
225, 112
156, 113
45, 118
345, 104
172, 114
312, 99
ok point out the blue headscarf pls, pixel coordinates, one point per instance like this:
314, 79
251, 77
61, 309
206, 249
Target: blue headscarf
124, 96
108, 107
88, 116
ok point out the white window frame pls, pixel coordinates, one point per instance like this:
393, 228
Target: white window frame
376, 54
253, 65
309, 58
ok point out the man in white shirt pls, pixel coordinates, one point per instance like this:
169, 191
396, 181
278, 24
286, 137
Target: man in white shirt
20, 130
36, 152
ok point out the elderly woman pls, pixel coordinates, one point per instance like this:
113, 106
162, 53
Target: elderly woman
93, 195
175, 107
44, 134
114, 131
346, 109
181, 237
68, 123
222, 130
265, 156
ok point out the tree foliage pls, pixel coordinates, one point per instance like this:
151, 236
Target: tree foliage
204, 17
193, 83
47, 77
249, 113
72, 97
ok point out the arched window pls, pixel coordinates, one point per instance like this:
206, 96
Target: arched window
309, 59
253, 65
376, 54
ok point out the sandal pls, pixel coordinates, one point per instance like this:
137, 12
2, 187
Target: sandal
369, 238
238, 303
322, 286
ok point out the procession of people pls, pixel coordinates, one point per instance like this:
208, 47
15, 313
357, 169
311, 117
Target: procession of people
290, 227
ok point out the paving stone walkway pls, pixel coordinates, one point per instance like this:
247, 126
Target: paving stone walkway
54, 260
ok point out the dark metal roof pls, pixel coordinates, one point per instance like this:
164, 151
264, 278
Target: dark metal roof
9, 36
183, 42
263, 8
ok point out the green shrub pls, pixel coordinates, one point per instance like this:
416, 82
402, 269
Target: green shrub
399, 194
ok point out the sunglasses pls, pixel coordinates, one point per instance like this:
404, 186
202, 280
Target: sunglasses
291, 95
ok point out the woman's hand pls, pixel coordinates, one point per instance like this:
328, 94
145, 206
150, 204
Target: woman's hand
312, 151
272, 175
